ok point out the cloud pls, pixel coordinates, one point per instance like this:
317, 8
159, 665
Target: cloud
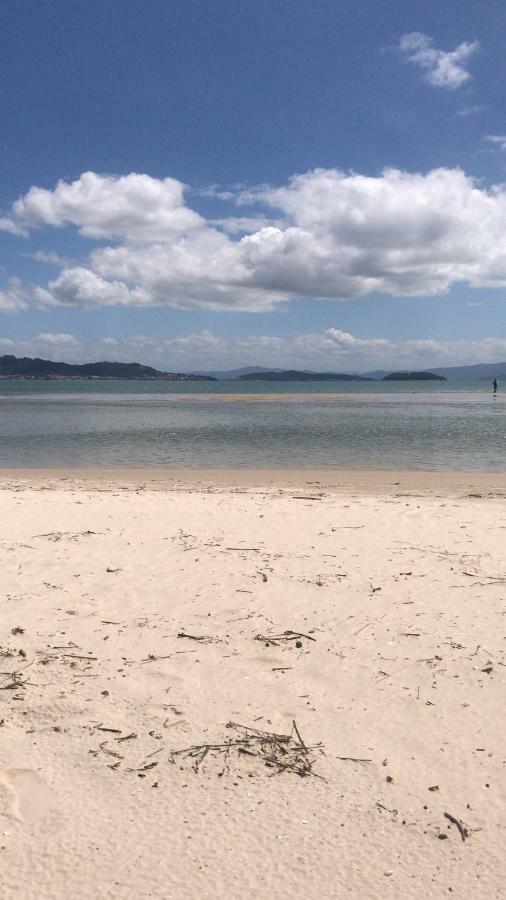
470, 110
51, 259
79, 286
333, 235
50, 345
446, 69
499, 140
62, 339
131, 207
399, 233
204, 271
202, 340
139, 340
330, 350
11, 227
244, 224
14, 298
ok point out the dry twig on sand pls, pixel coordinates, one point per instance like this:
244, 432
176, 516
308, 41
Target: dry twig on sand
463, 831
15, 677
203, 638
286, 636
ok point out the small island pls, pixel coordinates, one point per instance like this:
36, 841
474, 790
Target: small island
13, 368
294, 375
413, 376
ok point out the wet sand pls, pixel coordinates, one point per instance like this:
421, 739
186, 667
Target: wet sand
335, 480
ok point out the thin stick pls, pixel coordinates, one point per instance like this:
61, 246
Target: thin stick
391, 674
110, 752
257, 549
460, 825
353, 759
299, 634
75, 656
362, 628
194, 637
297, 732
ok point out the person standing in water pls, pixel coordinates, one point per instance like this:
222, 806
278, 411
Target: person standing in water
494, 385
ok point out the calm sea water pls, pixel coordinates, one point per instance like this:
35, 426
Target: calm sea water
415, 425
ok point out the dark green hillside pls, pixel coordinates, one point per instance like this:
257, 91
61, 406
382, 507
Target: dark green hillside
25, 367
413, 376
292, 375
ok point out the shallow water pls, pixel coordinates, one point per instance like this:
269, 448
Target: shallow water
98, 386
445, 425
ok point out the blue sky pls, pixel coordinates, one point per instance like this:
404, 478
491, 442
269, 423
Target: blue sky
282, 182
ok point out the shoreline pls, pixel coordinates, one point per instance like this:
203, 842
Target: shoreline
384, 481
278, 395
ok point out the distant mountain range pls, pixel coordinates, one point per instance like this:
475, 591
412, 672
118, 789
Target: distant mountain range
12, 367
232, 374
452, 373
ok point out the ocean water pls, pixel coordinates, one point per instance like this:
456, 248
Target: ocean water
370, 425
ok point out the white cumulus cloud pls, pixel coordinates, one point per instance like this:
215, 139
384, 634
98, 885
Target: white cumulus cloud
446, 69
333, 235
79, 286
131, 207
399, 233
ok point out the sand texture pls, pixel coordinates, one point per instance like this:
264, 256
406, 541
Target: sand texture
137, 623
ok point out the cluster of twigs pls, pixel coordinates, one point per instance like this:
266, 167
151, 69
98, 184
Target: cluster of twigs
280, 752
10, 681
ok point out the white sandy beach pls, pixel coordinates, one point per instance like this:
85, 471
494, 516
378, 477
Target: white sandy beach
132, 607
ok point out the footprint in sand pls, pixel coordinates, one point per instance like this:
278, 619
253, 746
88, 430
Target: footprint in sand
24, 795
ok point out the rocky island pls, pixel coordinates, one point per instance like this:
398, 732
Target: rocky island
413, 376
294, 375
